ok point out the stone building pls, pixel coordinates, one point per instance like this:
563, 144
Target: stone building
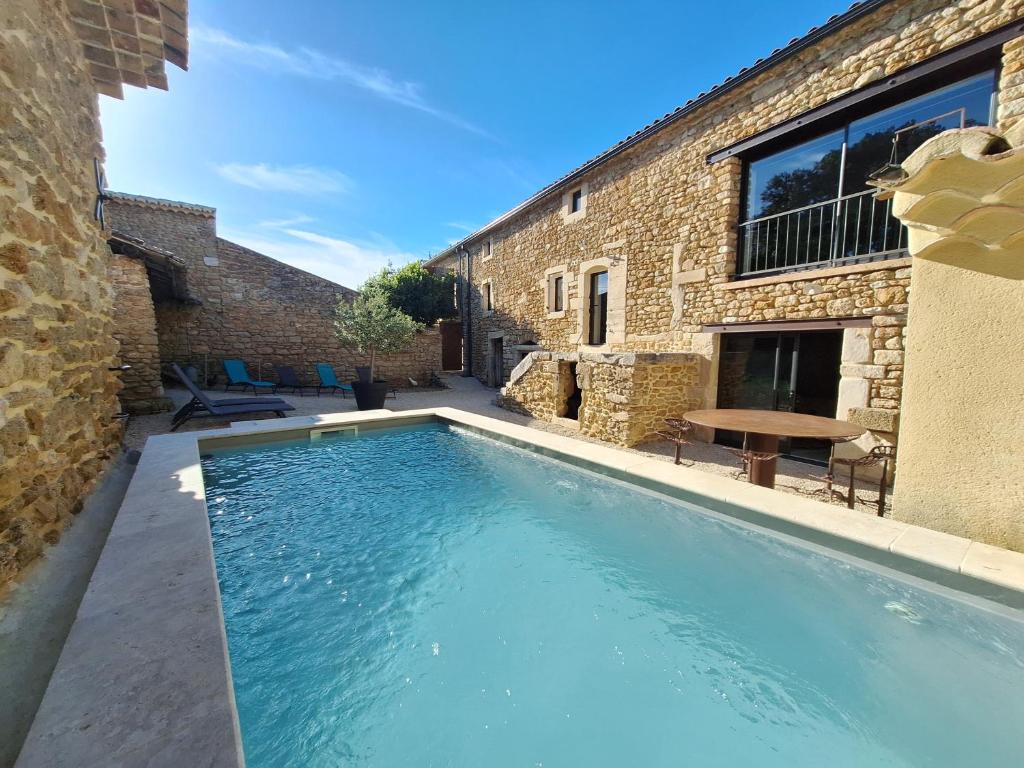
58, 394
731, 253
186, 295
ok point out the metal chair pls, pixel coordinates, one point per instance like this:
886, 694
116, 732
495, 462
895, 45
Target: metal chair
830, 475
677, 434
880, 454
748, 457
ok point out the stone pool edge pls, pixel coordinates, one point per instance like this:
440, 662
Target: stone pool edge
145, 678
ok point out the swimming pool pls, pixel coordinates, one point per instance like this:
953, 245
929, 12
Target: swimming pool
428, 596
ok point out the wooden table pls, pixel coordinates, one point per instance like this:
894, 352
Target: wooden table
764, 428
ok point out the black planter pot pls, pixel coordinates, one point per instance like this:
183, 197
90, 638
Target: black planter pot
369, 396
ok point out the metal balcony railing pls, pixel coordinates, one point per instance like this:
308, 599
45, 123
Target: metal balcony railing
847, 230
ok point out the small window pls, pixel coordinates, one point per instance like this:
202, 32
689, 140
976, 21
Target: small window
488, 298
488, 248
576, 201
557, 300
598, 308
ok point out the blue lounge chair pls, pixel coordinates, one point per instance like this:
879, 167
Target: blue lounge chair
201, 405
329, 380
239, 377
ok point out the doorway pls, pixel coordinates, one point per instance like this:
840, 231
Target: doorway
496, 369
783, 371
572, 396
451, 345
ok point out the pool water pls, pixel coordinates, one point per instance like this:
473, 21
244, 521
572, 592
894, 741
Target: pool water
430, 597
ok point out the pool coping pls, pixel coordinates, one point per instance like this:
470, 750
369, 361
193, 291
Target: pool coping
145, 679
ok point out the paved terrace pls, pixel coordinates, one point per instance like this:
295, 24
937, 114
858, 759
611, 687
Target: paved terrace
468, 394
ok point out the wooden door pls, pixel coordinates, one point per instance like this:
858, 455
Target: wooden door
451, 345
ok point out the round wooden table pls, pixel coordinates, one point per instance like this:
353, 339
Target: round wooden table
764, 428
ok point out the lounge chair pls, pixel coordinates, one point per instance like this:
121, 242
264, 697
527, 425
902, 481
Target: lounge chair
201, 405
286, 377
238, 376
329, 380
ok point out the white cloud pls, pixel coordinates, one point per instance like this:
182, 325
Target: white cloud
315, 65
298, 179
461, 226
343, 261
292, 221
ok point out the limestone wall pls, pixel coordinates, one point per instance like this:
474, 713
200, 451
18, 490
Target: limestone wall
671, 218
135, 331
252, 307
57, 398
625, 397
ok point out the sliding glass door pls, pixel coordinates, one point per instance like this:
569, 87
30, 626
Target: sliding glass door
792, 371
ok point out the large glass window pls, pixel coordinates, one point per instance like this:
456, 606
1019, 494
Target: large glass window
807, 173
810, 203
598, 308
869, 140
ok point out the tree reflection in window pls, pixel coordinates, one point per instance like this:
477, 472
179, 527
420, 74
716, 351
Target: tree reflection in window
811, 173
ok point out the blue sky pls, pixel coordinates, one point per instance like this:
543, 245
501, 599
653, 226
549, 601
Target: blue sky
339, 136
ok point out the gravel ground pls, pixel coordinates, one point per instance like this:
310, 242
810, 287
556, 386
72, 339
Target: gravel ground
470, 395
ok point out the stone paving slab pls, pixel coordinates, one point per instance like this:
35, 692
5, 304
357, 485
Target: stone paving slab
144, 677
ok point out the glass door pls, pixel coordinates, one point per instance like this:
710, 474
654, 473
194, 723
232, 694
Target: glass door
793, 371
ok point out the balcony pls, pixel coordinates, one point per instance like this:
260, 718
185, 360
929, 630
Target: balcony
852, 229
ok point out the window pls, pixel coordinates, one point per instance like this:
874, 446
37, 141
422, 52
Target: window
557, 303
810, 204
488, 248
488, 298
598, 308
574, 203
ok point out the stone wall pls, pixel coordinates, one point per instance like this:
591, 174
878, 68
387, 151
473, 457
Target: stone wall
57, 398
660, 209
135, 331
252, 307
625, 397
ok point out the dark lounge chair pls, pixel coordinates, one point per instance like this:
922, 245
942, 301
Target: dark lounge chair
329, 380
238, 376
201, 405
286, 377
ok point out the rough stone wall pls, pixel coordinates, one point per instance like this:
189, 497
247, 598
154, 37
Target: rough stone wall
135, 331
667, 388
57, 398
625, 397
253, 307
673, 217
535, 388
1011, 85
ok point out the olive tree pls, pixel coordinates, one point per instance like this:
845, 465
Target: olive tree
371, 325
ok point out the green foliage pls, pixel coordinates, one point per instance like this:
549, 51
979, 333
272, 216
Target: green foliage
371, 325
421, 294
